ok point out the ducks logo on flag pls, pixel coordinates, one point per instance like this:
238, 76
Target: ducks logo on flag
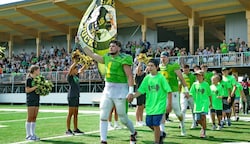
98, 27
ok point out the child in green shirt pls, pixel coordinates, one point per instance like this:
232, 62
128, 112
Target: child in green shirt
157, 89
201, 93
217, 94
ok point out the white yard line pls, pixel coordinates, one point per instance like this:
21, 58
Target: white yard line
55, 137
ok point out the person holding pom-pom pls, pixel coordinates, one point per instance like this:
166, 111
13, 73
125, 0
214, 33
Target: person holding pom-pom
32, 102
73, 97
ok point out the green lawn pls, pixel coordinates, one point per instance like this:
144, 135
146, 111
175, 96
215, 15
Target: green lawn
51, 128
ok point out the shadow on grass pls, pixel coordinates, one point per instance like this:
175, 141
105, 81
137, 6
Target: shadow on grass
215, 139
61, 142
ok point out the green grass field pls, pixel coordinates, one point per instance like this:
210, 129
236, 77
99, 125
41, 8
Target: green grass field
51, 126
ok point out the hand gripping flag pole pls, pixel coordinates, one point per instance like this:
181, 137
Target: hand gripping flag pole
98, 27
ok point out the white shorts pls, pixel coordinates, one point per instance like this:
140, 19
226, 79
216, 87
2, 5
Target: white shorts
115, 90
176, 104
186, 102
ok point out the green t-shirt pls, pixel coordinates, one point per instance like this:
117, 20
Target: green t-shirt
238, 90
223, 47
200, 93
189, 79
216, 90
225, 87
229, 79
156, 89
208, 76
168, 72
114, 71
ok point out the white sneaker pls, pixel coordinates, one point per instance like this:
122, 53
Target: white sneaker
117, 126
219, 128
183, 131
110, 126
193, 126
139, 123
143, 123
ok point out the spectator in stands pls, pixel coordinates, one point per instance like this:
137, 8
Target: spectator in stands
244, 47
73, 97
237, 43
223, 47
231, 46
32, 102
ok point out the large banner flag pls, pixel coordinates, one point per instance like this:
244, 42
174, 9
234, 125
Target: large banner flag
98, 27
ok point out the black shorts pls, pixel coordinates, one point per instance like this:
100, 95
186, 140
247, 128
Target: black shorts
141, 100
73, 101
218, 112
32, 101
232, 101
225, 104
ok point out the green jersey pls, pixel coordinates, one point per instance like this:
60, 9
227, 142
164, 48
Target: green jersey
189, 79
229, 79
223, 47
168, 72
238, 90
208, 76
156, 89
200, 93
225, 88
216, 90
114, 71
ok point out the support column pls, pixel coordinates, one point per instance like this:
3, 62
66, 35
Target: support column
10, 44
191, 34
144, 30
201, 34
38, 50
68, 43
248, 26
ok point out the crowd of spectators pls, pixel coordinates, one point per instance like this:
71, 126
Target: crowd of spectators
57, 59
50, 60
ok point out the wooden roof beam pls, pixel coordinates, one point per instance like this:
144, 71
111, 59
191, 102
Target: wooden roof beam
186, 10
4, 36
50, 23
18, 27
70, 9
245, 4
137, 17
180, 6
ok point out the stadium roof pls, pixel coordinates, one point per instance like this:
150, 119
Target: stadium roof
48, 18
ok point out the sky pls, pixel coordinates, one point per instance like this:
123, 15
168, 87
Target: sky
3, 2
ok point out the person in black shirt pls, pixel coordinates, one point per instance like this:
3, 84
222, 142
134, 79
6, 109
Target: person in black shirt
140, 74
73, 97
32, 102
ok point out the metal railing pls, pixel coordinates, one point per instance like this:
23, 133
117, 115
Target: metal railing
90, 81
239, 59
